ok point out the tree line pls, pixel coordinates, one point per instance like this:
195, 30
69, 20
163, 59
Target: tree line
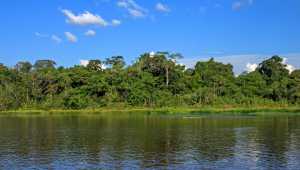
151, 81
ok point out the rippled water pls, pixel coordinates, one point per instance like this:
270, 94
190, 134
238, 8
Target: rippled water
149, 142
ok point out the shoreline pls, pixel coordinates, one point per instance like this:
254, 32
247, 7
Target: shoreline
176, 111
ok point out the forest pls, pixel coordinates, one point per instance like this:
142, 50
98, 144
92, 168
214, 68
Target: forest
151, 81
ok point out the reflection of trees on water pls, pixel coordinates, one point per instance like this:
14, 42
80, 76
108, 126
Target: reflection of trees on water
145, 141
213, 139
271, 141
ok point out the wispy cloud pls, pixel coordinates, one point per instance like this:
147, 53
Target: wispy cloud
41, 35
53, 37
115, 22
85, 18
71, 37
237, 5
133, 8
56, 39
162, 7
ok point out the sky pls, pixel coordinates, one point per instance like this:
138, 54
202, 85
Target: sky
241, 32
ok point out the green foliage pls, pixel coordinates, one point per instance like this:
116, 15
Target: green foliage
273, 69
44, 64
115, 62
151, 81
23, 66
294, 87
95, 65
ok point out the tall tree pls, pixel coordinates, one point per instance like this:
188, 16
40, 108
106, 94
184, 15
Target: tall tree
215, 75
294, 87
273, 69
95, 65
116, 62
44, 64
23, 66
276, 75
170, 61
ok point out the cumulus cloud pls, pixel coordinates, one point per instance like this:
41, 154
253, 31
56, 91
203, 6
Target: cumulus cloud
56, 39
288, 66
162, 8
152, 54
251, 67
236, 5
84, 62
133, 8
239, 62
90, 33
85, 18
115, 22
71, 37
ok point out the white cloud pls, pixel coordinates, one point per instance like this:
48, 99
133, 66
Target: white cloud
152, 54
84, 62
240, 61
56, 39
136, 13
123, 4
53, 37
251, 67
90, 33
288, 66
133, 8
284, 61
85, 18
241, 3
162, 8
115, 22
71, 37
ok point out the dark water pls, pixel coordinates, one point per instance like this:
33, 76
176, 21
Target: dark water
149, 142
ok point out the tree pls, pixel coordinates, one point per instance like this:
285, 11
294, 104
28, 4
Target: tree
153, 81
95, 65
252, 84
169, 62
116, 62
273, 69
216, 75
276, 75
23, 66
44, 64
294, 87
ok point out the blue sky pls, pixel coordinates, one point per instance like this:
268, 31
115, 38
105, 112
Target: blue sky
235, 31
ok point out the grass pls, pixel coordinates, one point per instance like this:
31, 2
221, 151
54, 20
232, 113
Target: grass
165, 111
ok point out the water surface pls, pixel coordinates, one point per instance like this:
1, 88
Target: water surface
149, 142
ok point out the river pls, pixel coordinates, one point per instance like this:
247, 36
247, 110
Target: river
149, 142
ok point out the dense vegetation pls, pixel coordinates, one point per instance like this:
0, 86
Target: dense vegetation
151, 81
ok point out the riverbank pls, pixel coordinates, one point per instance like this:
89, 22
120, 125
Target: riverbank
163, 111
